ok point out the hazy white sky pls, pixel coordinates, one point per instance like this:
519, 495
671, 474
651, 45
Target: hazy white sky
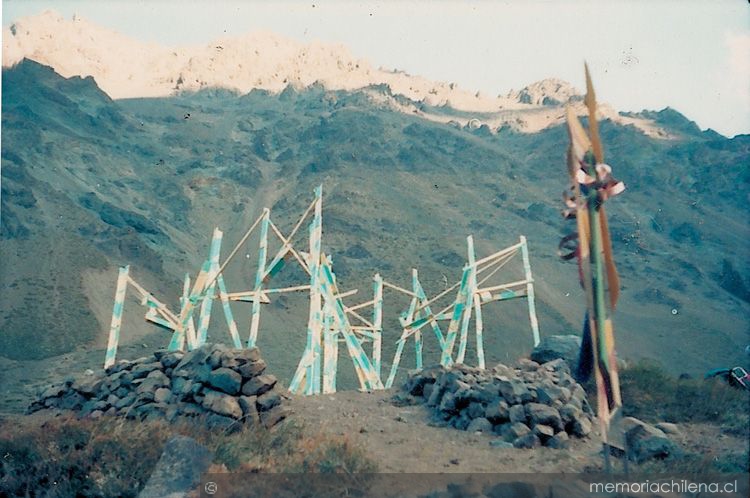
690, 55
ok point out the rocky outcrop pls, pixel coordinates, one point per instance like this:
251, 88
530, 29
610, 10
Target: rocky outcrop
646, 442
532, 405
219, 386
179, 468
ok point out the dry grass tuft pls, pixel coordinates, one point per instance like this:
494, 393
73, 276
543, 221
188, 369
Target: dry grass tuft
65, 456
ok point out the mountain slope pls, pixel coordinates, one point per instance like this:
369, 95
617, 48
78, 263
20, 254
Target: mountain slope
90, 184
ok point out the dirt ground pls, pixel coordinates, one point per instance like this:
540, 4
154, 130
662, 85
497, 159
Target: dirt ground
400, 439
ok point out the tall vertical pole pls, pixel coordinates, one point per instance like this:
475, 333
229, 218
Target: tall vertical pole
418, 346
471, 288
315, 316
377, 322
208, 298
183, 303
262, 250
114, 328
530, 290
480, 329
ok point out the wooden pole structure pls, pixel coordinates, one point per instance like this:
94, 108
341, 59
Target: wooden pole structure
426, 311
369, 380
259, 275
530, 291
208, 298
377, 322
116, 323
479, 330
183, 302
303, 380
446, 359
470, 290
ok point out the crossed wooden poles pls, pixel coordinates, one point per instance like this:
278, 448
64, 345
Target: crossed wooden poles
330, 320
470, 296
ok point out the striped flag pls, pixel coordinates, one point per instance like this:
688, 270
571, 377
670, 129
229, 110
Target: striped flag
591, 184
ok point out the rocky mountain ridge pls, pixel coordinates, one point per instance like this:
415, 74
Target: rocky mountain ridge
127, 68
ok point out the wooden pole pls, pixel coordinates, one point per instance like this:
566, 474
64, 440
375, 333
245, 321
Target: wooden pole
446, 358
208, 298
426, 311
396, 361
114, 327
479, 328
530, 290
260, 274
469, 300
315, 315
377, 322
231, 324
330, 352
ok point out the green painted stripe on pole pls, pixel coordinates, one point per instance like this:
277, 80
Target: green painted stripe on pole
468, 299
446, 358
427, 312
231, 324
418, 346
178, 340
116, 322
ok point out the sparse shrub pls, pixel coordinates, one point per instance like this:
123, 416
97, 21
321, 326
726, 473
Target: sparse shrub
330, 456
69, 457
258, 450
115, 457
698, 464
651, 394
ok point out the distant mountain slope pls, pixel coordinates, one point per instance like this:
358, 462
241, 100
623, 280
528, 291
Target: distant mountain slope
127, 68
90, 183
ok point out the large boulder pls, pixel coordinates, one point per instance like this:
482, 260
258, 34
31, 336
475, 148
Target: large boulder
558, 346
225, 380
538, 413
221, 403
646, 442
179, 468
259, 385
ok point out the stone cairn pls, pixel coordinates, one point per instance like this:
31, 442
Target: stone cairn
528, 406
221, 387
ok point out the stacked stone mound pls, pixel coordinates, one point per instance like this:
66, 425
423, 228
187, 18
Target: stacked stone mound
528, 406
211, 384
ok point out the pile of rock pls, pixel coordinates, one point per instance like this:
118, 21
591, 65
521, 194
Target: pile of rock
214, 384
528, 406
